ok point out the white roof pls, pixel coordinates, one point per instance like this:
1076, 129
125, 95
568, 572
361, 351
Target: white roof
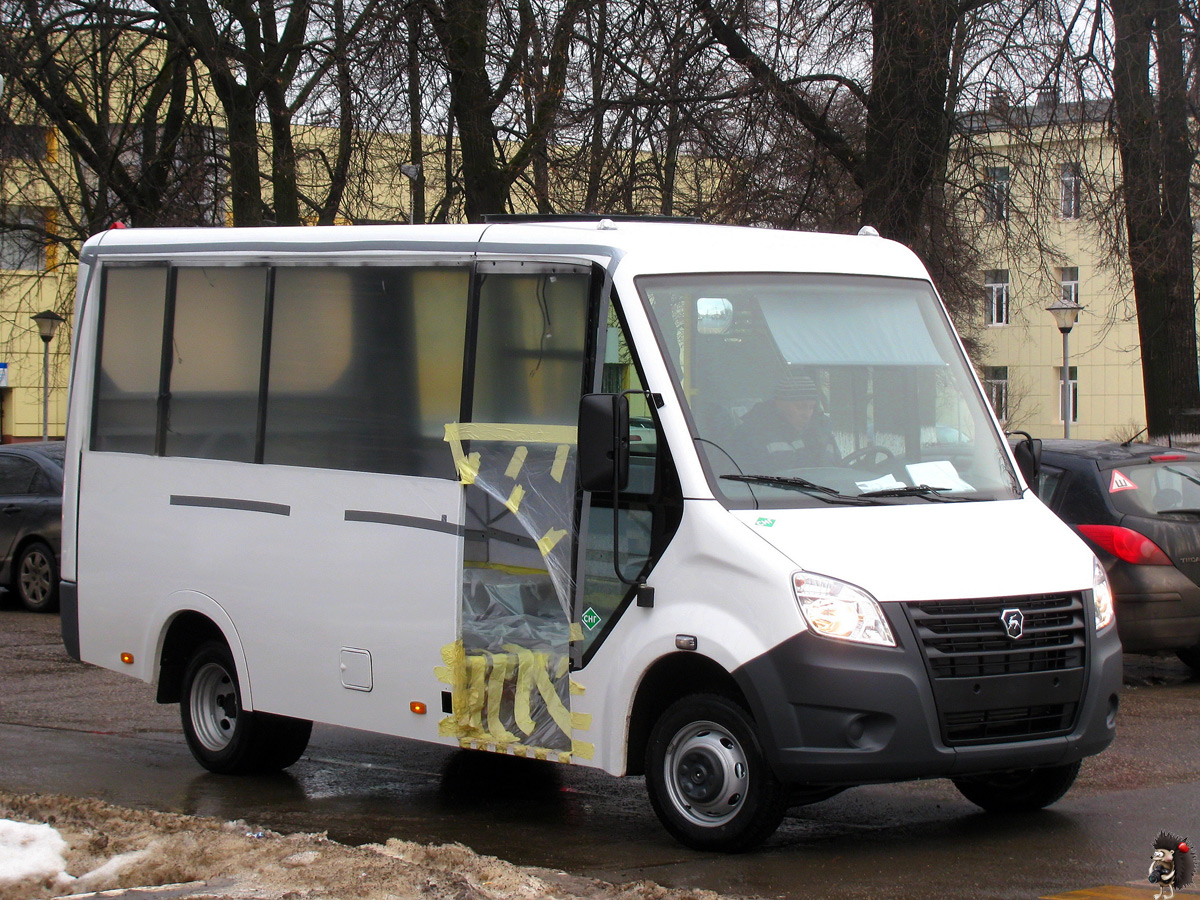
647, 247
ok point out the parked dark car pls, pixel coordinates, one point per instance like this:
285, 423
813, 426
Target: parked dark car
1138, 506
31, 489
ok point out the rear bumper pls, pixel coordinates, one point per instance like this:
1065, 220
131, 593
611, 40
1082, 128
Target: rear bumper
836, 713
1158, 607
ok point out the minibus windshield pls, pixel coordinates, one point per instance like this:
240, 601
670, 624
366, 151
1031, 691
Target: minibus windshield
811, 390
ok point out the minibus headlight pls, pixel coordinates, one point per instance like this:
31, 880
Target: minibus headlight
1102, 598
838, 610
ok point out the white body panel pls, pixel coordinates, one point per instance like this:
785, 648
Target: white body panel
322, 585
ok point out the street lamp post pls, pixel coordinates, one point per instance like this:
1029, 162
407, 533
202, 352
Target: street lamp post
47, 322
412, 171
1066, 314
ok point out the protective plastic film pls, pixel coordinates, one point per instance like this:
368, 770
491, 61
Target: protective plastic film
510, 670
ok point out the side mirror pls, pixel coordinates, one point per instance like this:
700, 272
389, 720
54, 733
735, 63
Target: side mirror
603, 442
1029, 457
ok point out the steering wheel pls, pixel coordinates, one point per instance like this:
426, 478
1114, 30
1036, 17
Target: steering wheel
871, 456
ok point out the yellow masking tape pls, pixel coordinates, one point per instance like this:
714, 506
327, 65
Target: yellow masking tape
576, 687
514, 499
495, 692
581, 721
476, 692
514, 432
574, 632
518, 460
549, 539
524, 689
554, 706
583, 749
560, 462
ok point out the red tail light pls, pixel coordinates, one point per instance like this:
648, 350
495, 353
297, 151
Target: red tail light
1126, 544
1168, 457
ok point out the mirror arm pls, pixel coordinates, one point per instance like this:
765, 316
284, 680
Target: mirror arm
616, 491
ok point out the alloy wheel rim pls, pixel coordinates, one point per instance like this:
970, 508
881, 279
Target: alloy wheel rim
35, 577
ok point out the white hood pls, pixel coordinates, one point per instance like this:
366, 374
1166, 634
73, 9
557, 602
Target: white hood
932, 551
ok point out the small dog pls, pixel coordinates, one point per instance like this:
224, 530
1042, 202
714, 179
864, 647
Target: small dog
1171, 866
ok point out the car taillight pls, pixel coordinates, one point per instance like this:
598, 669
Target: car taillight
1126, 544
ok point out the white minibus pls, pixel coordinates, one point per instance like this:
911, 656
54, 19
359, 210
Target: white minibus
724, 507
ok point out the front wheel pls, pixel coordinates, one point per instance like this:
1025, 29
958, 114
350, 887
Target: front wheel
224, 737
708, 780
1021, 790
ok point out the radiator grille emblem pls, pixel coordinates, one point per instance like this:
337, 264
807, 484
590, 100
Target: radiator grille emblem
1014, 623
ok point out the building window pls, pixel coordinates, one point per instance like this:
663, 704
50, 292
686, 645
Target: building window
1070, 285
1073, 393
995, 194
29, 142
995, 382
1070, 183
995, 289
23, 232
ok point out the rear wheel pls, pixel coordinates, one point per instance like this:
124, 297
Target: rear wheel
224, 737
1021, 790
35, 578
1190, 656
707, 777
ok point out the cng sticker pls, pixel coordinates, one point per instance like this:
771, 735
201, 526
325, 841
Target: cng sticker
766, 523
591, 618
1120, 482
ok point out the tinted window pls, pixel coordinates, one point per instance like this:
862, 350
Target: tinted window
366, 367
1159, 488
216, 362
17, 475
133, 303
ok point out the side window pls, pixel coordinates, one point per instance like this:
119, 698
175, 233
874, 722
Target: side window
17, 476
605, 596
366, 367
1048, 481
216, 362
133, 301
529, 362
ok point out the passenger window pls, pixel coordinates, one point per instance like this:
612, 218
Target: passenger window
366, 367
130, 358
216, 362
529, 362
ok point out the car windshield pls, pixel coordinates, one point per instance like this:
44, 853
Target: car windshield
1155, 489
824, 389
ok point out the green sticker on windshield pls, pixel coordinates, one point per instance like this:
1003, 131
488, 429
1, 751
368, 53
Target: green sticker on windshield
591, 618
766, 523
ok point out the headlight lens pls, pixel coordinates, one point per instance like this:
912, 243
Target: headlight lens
838, 610
1102, 598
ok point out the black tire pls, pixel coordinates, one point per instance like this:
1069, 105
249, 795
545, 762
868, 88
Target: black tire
1190, 657
708, 780
224, 737
1022, 790
35, 578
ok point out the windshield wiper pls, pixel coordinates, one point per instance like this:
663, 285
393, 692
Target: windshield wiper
914, 490
800, 484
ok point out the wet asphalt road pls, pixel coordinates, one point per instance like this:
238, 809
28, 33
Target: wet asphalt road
75, 729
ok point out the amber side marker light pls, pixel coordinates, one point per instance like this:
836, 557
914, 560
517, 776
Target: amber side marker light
418, 707
127, 658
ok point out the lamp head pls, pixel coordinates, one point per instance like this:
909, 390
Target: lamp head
1065, 314
47, 322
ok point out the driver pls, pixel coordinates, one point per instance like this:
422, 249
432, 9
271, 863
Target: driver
787, 431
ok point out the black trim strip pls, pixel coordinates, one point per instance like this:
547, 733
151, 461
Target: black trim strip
382, 518
275, 509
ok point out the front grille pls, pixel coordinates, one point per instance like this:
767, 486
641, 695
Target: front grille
984, 726
966, 639
990, 687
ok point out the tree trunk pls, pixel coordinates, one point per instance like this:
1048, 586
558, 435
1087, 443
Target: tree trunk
1156, 158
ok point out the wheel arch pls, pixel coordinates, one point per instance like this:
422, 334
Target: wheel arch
198, 620
670, 678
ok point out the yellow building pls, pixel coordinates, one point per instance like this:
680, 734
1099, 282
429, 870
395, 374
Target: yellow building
1047, 177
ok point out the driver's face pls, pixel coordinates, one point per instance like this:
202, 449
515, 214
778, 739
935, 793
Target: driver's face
797, 413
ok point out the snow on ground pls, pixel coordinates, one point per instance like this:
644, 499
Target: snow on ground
53, 846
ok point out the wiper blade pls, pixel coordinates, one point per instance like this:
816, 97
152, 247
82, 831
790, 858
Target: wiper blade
800, 484
913, 490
